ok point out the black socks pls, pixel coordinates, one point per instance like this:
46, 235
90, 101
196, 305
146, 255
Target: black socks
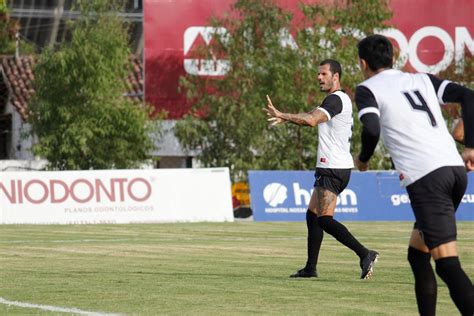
340, 232
315, 237
426, 289
450, 271
459, 285
317, 226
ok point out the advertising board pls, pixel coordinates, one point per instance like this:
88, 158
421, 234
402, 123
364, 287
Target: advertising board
115, 196
369, 196
431, 35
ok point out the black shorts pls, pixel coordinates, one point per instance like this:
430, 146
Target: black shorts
334, 180
434, 200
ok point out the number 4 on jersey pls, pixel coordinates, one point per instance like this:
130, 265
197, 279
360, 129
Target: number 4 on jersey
420, 107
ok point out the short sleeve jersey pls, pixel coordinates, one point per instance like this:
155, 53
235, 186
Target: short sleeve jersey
412, 126
335, 134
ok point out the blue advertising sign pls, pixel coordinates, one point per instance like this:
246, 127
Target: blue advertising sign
370, 196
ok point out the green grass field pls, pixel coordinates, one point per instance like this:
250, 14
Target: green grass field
209, 269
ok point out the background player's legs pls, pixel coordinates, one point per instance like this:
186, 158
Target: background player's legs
325, 205
425, 281
315, 238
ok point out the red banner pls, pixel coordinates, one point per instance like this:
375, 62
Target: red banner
431, 35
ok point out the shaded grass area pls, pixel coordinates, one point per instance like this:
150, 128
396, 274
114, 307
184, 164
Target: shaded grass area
209, 269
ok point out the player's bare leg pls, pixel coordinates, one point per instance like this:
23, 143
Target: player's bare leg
448, 249
323, 202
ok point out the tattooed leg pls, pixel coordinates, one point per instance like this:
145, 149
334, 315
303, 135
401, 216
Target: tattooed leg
325, 202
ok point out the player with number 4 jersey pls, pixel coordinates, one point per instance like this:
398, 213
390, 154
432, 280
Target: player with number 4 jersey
413, 127
404, 109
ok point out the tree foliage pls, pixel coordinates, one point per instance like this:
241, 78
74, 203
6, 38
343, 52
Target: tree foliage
227, 124
8, 28
465, 77
79, 113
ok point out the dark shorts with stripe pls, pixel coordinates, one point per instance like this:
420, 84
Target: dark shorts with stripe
434, 200
334, 180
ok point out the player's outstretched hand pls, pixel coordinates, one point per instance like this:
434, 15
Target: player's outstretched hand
274, 116
468, 157
362, 166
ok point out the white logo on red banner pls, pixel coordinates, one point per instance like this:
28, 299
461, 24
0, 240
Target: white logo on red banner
193, 37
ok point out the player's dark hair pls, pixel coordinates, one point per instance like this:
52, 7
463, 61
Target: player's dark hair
377, 51
334, 66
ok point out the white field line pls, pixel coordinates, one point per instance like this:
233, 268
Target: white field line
72, 241
66, 241
53, 308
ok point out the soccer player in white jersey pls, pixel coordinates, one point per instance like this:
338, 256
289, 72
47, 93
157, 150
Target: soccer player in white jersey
334, 163
404, 108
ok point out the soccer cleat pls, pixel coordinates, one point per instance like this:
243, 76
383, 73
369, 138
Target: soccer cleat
303, 273
367, 264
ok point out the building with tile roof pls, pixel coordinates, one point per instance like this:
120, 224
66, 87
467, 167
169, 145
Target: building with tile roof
43, 23
16, 90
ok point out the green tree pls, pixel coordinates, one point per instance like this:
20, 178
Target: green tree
8, 29
79, 113
464, 76
227, 124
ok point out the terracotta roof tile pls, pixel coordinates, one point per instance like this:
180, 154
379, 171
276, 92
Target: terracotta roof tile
19, 80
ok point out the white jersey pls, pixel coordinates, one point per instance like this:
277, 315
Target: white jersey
412, 126
335, 134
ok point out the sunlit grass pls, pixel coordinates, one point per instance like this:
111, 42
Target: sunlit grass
209, 269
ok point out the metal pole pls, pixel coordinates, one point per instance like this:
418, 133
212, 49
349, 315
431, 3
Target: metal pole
58, 12
17, 45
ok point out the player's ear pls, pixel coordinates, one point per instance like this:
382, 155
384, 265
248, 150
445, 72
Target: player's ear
363, 64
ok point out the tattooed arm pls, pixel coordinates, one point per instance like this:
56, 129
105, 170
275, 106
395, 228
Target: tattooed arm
312, 118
